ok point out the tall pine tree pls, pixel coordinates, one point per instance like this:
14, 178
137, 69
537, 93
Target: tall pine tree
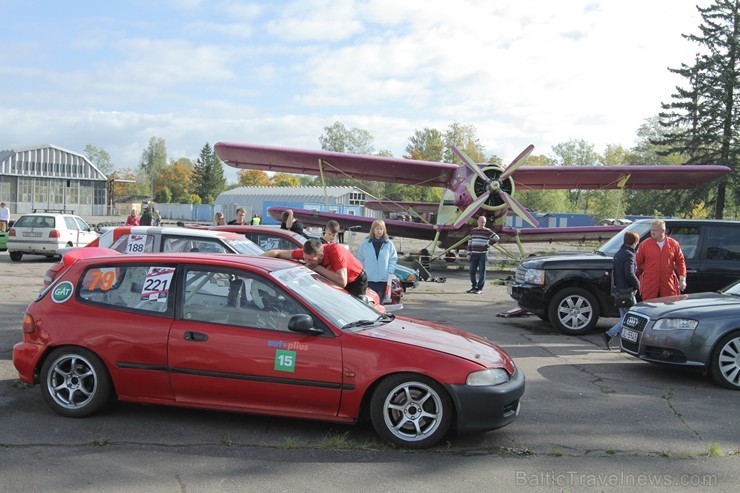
208, 175
702, 119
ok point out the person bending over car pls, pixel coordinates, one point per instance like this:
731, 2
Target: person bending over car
332, 261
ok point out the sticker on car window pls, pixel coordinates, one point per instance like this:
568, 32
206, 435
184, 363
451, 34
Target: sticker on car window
102, 279
157, 283
62, 292
136, 243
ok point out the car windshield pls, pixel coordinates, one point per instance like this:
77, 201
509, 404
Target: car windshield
611, 247
244, 246
336, 305
733, 289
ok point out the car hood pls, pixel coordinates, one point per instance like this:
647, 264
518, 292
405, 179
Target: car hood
443, 339
569, 261
686, 305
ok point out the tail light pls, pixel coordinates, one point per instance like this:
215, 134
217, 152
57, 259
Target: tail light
29, 325
54, 233
11, 232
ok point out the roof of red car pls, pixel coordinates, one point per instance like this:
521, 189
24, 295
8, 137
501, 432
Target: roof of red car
266, 264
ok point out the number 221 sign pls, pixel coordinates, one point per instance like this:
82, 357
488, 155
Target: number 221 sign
157, 283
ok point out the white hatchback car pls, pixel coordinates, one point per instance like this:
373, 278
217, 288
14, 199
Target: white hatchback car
45, 233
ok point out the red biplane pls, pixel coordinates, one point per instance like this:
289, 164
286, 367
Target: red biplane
468, 188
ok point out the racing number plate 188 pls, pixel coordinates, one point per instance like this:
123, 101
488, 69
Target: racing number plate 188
630, 335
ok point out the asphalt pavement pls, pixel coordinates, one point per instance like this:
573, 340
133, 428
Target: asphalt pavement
591, 420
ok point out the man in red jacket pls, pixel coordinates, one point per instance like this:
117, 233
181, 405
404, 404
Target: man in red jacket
660, 264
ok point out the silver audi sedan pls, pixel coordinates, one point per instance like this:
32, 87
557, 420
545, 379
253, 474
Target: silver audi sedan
699, 331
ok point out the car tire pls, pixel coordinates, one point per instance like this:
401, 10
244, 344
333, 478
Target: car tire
725, 364
411, 411
75, 382
16, 256
573, 311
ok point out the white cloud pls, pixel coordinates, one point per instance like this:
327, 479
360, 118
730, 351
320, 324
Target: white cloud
522, 72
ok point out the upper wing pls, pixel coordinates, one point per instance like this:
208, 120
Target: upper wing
412, 172
603, 177
336, 164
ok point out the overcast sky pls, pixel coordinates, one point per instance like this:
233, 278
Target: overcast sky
114, 74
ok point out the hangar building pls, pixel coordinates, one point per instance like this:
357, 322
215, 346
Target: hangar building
256, 200
50, 177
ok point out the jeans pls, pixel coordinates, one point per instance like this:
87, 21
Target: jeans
478, 270
614, 331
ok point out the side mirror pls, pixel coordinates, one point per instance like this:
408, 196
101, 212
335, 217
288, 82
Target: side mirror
303, 324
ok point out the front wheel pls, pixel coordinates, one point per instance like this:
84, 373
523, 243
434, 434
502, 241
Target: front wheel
573, 311
16, 256
411, 411
725, 364
75, 382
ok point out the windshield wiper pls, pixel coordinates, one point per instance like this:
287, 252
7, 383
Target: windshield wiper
383, 318
358, 323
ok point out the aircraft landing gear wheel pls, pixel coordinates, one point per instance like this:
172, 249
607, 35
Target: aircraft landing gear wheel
573, 311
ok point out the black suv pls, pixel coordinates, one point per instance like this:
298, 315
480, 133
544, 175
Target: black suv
571, 291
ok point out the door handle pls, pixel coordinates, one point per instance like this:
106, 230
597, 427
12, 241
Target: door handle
195, 336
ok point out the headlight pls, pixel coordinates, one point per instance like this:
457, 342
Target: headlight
493, 376
534, 276
675, 324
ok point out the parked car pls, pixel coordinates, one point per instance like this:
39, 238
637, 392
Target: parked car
46, 233
700, 331
150, 239
269, 237
571, 291
256, 335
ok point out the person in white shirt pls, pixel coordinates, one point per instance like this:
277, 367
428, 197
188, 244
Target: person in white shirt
4, 217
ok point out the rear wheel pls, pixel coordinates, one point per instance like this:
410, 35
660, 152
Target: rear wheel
411, 411
75, 382
725, 364
16, 256
573, 311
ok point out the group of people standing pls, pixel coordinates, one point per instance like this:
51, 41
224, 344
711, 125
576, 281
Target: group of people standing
656, 269
148, 217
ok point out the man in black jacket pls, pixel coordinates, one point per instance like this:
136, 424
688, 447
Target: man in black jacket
623, 277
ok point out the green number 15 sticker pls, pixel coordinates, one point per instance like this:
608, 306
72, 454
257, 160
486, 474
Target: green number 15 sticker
285, 360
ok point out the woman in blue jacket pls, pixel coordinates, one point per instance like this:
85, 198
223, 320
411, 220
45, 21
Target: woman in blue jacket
378, 255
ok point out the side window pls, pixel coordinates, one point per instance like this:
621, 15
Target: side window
268, 242
134, 243
141, 288
70, 223
185, 244
723, 243
687, 237
236, 298
82, 224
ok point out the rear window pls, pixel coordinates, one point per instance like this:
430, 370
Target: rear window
35, 222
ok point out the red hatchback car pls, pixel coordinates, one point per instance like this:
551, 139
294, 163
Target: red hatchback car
255, 335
